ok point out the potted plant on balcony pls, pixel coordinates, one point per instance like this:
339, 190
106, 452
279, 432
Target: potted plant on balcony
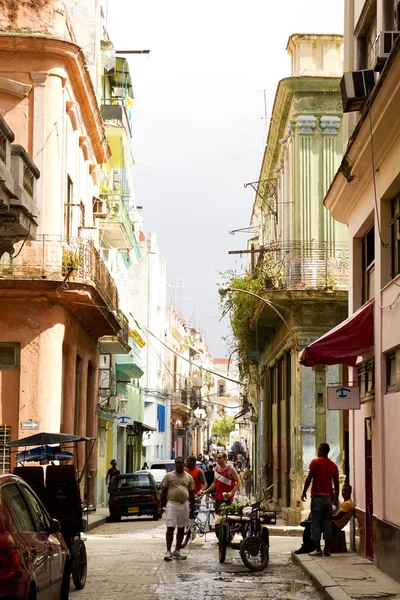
70, 261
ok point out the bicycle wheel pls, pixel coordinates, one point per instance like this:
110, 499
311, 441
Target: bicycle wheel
223, 542
254, 553
186, 537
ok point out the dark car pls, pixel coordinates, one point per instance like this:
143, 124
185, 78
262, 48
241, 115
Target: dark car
34, 558
134, 494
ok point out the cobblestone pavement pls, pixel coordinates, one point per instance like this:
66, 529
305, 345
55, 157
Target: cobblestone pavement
125, 561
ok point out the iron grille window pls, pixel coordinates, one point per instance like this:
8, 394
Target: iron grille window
366, 380
221, 389
9, 356
5, 438
368, 264
395, 225
393, 371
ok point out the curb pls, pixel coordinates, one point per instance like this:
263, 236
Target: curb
320, 578
276, 531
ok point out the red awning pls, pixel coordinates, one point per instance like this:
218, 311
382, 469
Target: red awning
343, 344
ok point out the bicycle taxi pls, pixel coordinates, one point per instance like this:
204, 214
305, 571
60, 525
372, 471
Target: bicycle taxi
58, 487
251, 523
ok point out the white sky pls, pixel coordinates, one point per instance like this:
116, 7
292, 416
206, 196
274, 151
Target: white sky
199, 125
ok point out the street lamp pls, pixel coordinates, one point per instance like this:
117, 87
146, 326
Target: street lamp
224, 291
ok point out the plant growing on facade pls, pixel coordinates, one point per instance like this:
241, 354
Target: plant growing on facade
241, 308
70, 260
223, 426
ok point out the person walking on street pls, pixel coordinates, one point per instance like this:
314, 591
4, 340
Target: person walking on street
197, 473
210, 476
226, 482
111, 473
322, 472
248, 480
177, 496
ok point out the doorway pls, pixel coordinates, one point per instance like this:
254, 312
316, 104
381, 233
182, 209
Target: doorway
369, 545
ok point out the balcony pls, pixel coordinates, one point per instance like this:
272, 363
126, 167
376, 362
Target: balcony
180, 401
114, 112
117, 344
71, 272
116, 227
306, 282
305, 266
18, 175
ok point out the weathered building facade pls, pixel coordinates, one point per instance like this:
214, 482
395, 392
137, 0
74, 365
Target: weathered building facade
58, 297
302, 268
364, 195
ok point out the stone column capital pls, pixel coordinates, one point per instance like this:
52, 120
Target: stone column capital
306, 124
39, 77
330, 124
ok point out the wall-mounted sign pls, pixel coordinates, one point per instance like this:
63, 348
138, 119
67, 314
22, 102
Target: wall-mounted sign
135, 335
124, 421
29, 425
312, 429
343, 398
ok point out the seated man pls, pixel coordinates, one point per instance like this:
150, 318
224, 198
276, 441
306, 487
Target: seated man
339, 520
346, 509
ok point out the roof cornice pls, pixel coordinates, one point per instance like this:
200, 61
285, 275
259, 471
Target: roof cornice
289, 88
73, 59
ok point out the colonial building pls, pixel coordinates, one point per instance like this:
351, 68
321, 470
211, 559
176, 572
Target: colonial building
300, 262
57, 295
364, 195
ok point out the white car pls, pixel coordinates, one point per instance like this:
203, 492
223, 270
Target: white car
158, 475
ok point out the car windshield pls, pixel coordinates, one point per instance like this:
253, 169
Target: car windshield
131, 481
166, 467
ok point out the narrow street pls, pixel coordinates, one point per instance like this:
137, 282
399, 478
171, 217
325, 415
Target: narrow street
125, 561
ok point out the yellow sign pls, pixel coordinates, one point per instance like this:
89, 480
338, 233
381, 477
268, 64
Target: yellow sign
137, 337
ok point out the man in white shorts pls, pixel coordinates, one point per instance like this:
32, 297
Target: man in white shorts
177, 495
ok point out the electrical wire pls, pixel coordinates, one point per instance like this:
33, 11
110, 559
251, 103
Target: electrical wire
145, 329
374, 174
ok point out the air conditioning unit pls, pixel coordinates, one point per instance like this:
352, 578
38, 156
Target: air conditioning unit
355, 87
383, 46
99, 208
112, 404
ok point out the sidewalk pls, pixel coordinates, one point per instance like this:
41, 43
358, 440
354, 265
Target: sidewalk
348, 575
98, 517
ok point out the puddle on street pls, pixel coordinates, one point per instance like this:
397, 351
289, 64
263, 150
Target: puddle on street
296, 586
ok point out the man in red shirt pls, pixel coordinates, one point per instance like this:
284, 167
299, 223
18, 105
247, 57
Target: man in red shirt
197, 473
322, 472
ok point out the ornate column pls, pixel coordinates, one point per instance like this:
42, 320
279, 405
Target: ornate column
330, 126
39, 79
305, 129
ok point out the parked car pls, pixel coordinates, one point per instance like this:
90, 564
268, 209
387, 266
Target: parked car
158, 475
134, 494
166, 464
34, 558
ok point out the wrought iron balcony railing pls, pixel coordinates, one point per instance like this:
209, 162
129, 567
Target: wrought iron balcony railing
297, 265
180, 397
54, 257
117, 210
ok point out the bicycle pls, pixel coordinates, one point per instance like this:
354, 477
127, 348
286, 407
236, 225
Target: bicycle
198, 526
254, 548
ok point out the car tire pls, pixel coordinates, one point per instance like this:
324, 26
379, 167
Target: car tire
79, 564
64, 592
113, 519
